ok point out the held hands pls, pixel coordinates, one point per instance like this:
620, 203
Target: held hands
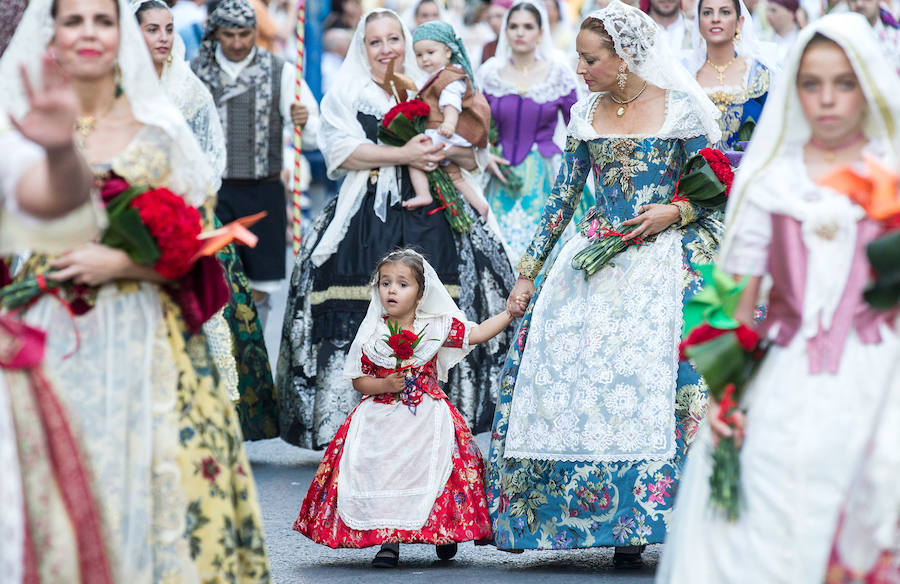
652, 219
422, 153
299, 114
519, 297
52, 108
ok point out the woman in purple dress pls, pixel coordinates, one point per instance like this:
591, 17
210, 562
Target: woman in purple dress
530, 92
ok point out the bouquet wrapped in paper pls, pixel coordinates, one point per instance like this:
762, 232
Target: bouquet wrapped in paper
726, 353
402, 123
876, 192
705, 181
156, 228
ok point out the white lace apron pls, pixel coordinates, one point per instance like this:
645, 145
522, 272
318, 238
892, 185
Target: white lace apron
597, 379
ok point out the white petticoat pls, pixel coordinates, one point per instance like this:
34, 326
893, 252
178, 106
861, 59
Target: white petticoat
805, 436
120, 387
597, 379
394, 464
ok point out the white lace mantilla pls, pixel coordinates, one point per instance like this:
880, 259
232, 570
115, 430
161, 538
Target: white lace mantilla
682, 119
560, 82
598, 375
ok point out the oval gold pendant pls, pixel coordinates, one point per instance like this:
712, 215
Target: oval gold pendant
621, 111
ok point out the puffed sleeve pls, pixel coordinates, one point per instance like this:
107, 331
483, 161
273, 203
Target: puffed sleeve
458, 336
564, 198
17, 155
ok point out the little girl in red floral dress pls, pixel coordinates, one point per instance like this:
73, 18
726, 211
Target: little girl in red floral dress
404, 466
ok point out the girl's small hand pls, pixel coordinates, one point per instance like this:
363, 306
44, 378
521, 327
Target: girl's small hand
394, 383
652, 219
92, 264
519, 297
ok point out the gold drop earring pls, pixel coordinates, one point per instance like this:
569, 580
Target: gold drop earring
622, 76
737, 36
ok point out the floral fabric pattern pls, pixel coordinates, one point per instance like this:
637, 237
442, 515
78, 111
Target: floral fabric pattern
548, 504
459, 513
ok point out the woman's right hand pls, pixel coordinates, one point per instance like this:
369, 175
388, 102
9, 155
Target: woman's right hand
721, 429
394, 383
493, 167
422, 153
519, 297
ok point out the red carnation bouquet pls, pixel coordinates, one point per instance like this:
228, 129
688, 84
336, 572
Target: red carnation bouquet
705, 181
726, 353
402, 123
156, 228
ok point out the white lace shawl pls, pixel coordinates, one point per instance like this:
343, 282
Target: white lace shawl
560, 81
196, 103
436, 309
191, 175
354, 91
682, 121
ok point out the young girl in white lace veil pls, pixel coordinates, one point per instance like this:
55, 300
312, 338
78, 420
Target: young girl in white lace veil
808, 412
403, 467
596, 412
161, 436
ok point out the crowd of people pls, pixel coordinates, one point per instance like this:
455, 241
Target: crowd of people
148, 152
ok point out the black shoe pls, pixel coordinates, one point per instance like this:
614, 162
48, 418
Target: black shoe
446, 551
387, 557
627, 560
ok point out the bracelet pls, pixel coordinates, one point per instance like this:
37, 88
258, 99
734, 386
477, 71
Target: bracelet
524, 277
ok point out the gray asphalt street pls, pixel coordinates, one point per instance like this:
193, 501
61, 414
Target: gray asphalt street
283, 473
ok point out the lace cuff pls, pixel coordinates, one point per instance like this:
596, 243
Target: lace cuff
529, 267
688, 213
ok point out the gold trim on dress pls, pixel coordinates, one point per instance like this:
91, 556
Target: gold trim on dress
358, 293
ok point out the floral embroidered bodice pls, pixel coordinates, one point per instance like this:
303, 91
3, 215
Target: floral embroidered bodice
740, 103
422, 377
629, 171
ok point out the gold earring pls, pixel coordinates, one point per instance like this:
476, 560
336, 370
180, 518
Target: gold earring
169, 59
737, 36
117, 76
622, 76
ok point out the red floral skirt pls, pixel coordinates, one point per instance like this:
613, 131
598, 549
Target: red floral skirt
459, 514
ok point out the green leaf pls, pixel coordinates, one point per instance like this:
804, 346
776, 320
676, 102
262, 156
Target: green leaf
747, 129
884, 258
127, 232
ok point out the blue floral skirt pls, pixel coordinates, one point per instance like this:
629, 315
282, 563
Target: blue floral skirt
545, 504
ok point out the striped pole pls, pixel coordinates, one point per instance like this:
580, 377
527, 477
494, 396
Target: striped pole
298, 138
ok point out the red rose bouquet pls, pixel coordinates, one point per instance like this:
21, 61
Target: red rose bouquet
705, 181
402, 123
403, 345
155, 227
726, 353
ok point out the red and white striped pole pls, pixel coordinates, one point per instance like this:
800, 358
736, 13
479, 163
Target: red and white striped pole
298, 133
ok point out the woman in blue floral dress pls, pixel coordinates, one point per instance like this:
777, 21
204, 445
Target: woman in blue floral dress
732, 67
595, 411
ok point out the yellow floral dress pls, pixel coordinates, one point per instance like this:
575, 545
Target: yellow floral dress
162, 434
